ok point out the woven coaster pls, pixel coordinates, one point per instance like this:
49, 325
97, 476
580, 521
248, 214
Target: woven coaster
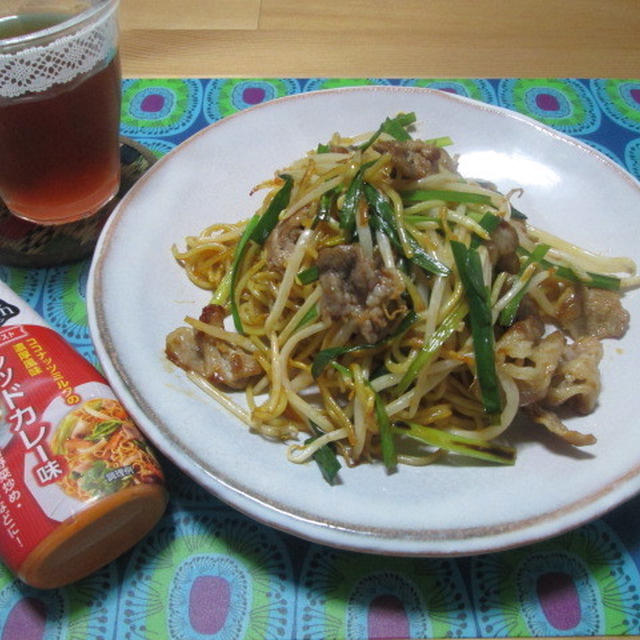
27, 244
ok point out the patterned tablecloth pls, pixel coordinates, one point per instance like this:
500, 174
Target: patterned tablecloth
206, 571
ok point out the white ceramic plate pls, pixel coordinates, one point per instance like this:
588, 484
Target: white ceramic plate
137, 294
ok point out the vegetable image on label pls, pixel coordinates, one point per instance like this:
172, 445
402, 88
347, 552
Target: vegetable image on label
101, 446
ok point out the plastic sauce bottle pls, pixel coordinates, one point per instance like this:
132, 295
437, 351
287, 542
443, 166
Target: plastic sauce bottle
78, 484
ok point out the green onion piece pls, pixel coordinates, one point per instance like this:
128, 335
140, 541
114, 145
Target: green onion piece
323, 148
308, 317
431, 347
471, 447
416, 218
423, 195
324, 357
395, 127
387, 444
324, 209
596, 280
442, 141
477, 294
269, 218
241, 249
103, 430
307, 276
258, 229
349, 210
325, 456
508, 314
382, 219
342, 369
516, 214
488, 222
223, 290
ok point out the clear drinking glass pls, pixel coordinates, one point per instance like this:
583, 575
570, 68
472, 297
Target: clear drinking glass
59, 107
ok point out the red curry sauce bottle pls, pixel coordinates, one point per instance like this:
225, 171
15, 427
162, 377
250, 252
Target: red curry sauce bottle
78, 483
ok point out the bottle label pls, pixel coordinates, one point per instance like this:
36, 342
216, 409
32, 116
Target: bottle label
65, 440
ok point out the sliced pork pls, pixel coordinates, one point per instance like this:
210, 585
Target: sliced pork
411, 159
282, 240
355, 289
221, 363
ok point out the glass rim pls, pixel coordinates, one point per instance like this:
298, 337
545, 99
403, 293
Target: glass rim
73, 22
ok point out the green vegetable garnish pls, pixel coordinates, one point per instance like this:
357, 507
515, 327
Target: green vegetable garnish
508, 314
472, 447
596, 280
382, 220
395, 127
477, 294
241, 249
307, 275
488, 222
387, 444
324, 209
269, 218
349, 211
309, 317
95, 483
325, 456
431, 347
258, 229
223, 290
103, 430
324, 357
424, 195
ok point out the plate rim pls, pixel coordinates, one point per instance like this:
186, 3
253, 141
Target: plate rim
423, 542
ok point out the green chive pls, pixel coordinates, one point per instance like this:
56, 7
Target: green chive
516, 214
324, 208
472, 447
424, 195
241, 249
431, 347
387, 444
269, 218
382, 219
325, 456
258, 229
395, 127
349, 210
307, 276
308, 317
443, 141
324, 357
223, 290
595, 280
508, 314
477, 294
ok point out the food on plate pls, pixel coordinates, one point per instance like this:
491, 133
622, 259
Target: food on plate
389, 308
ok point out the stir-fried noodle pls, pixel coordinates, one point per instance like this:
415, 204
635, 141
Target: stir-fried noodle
392, 309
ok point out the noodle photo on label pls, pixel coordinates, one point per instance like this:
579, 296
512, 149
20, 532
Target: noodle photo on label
103, 450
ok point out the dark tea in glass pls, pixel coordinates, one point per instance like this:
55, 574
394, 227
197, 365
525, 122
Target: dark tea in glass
59, 112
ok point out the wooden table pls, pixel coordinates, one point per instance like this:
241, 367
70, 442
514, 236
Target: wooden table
372, 38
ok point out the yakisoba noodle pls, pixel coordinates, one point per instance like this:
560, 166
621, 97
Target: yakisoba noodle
389, 308
96, 438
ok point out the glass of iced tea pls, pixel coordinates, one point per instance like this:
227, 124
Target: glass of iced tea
59, 107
